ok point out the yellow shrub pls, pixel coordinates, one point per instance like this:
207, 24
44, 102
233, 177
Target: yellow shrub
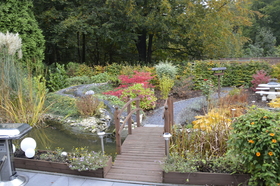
275, 103
214, 120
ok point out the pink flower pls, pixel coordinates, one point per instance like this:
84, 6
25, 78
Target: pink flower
205, 79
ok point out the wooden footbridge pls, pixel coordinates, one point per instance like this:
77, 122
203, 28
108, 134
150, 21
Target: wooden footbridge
140, 154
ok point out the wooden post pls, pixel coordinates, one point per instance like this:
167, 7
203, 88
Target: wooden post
117, 127
138, 113
170, 111
129, 119
166, 119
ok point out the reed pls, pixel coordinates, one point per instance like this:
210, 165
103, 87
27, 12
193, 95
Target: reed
22, 96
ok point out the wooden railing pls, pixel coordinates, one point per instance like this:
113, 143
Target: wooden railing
127, 120
168, 114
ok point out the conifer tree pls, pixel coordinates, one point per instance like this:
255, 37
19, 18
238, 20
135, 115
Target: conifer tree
17, 17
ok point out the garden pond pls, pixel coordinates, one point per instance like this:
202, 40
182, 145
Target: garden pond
54, 136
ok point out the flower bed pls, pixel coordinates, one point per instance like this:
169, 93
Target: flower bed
49, 166
205, 178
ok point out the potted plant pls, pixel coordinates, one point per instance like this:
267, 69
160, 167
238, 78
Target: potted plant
79, 162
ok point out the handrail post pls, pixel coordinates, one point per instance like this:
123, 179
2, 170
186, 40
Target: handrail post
170, 111
129, 119
138, 112
117, 127
166, 119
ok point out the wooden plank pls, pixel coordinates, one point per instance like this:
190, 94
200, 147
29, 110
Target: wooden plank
141, 153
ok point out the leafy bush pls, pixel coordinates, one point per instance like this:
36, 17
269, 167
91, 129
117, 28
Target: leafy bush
101, 78
127, 81
84, 70
78, 80
57, 77
275, 103
166, 69
207, 87
258, 78
256, 140
71, 68
214, 120
88, 105
276, 70
146, 95
165, 85
113, 69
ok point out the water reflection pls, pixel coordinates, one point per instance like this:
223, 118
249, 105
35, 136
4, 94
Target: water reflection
51, 138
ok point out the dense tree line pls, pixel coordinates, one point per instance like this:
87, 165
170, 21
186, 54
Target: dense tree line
97, 32
106, 31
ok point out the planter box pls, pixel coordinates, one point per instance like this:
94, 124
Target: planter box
48, 166
203, 178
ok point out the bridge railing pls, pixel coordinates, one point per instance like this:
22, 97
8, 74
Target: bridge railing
168, 114
127, 120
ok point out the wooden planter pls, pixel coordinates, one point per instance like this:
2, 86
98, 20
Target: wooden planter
48, 166
203, 178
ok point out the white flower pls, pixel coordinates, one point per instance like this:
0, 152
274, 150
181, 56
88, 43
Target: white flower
12, 42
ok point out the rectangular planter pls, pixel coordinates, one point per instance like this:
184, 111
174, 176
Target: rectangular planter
48, 166
203, 178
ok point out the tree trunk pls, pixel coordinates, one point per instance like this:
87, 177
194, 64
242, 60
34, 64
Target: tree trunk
84, 49
141, 46
150, 44
78, 43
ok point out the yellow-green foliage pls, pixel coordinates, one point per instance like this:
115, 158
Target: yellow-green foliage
98, 69
276, 71
275, 103
165, 84
84, 70
215, 119
26, 105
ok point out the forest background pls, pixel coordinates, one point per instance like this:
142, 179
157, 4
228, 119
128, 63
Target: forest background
102, 32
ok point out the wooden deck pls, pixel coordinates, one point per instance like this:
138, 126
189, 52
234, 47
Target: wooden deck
141, 153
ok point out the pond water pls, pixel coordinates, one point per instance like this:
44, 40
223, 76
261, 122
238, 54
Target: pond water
51, 137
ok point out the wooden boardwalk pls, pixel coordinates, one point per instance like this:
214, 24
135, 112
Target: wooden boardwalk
141, 153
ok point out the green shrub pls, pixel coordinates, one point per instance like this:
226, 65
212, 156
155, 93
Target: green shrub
72, 68
101, 78
256, 140
146, 95
77, 80
166, 69
165, 85
57, 77
113, 69
84, 70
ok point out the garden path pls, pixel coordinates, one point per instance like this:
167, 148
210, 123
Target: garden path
180, 110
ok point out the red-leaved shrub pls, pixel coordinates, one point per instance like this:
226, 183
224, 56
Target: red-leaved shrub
127, 81
259, 78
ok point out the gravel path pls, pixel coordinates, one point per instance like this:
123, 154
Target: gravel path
181, 109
